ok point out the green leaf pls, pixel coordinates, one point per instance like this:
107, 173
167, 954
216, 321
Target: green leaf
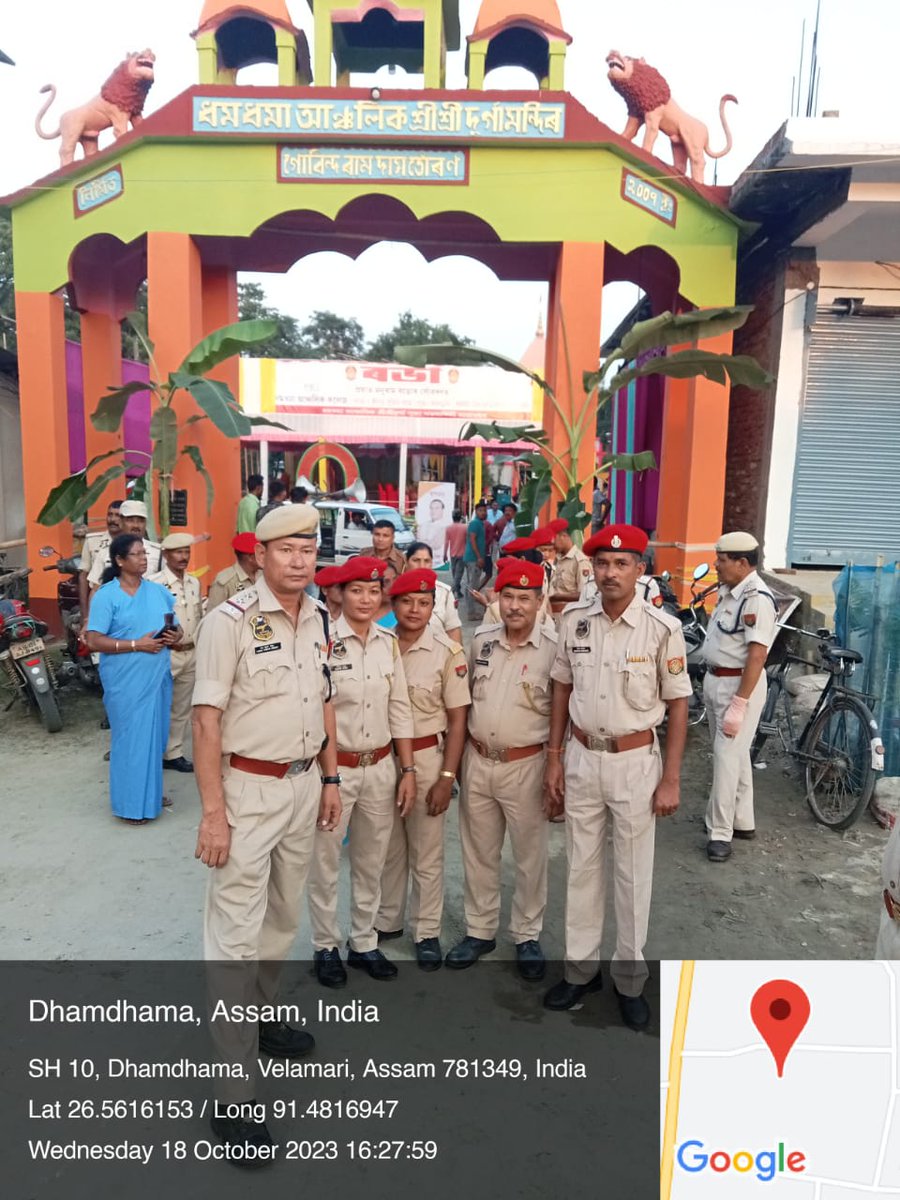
100, 484
164, 434
643, 461
138, 322
224, 343
217, 402
107, 416
743, 370
493, 432
266, 421
64, 501
192, 420
574, 511
532, 498
193, 453
449, 354
670, 330
99, 458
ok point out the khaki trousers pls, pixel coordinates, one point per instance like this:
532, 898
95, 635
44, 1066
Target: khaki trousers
183, 672
368, 796
253, 902
730, 804
416, 848
609, 795
496, 797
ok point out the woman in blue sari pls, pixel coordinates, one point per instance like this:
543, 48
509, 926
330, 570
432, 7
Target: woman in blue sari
125, 615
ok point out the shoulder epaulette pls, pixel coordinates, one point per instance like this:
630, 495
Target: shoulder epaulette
235, 606
492, 628
665, 618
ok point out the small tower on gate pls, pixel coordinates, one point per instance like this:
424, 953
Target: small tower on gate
365, 35
519, 33
231, 36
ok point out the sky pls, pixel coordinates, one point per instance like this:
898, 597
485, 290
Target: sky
703, 47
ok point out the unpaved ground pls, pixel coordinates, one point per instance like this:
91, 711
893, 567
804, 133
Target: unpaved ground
76, 883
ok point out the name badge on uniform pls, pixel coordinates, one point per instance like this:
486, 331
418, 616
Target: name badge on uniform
262, 630
342, 667
581, 649
267, 649
582, 629
482, 662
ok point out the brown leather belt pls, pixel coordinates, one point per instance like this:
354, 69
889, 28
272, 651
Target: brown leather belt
259, 766
425, 743
726, 672
510, 754
614, 745
363, 758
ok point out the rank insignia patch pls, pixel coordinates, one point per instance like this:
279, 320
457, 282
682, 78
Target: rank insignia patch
487, 649
750, 619
262, 630
338, 650
582, 629
462, 670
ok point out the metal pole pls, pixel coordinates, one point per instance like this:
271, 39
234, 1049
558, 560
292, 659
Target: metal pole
401, 484
873, 674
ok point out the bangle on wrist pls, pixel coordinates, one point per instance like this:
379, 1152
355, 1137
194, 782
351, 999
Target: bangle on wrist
116, 651
447, 775
132, 645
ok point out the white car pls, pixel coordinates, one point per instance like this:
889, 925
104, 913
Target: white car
345, 528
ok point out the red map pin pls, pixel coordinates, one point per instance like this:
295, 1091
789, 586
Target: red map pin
779, 1010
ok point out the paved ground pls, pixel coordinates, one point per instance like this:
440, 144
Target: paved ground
76, 883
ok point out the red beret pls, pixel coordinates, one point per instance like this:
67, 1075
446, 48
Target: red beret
327, 577
520, 575
244, 543
559, 525
617, 537
542, 536
361, 568
421, 580
517, 546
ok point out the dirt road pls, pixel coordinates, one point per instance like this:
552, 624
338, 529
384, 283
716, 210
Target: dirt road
76, 883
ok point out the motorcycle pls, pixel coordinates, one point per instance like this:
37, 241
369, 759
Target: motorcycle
694, 621
79, 662
23, 657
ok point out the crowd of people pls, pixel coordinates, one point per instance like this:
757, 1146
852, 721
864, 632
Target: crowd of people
318, 720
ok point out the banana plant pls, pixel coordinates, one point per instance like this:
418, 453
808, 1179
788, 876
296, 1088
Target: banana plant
551, 472
78, 492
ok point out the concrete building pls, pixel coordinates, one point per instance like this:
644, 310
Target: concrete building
814, 461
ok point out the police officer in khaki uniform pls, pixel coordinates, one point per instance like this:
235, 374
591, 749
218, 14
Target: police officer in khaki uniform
372, 710
738, 638
133, 514
445, 615
620, 663
240, 575
176, 550
437, 679
502, 778
571, 568
94, 544
383, 547
262, 722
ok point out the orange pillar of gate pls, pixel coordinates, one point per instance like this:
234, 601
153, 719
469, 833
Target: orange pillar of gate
45, 434
222, 455
573, 347
101, 351
692, 472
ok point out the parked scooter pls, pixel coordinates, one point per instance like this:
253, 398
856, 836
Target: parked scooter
79, 662
23, 656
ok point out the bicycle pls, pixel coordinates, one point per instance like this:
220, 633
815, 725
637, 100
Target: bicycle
839, 746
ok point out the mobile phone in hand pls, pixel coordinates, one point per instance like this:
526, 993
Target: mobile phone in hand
168, 624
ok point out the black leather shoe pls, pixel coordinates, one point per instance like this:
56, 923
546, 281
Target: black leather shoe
329, 968
634, 1009
389, 935
530, 961
249, 1141
280, 1040
744, 835
468, 951
179, 764
373, 963
565, 995
429, 955
718, 851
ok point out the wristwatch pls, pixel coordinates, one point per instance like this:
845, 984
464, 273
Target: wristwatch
412, 770
335, 779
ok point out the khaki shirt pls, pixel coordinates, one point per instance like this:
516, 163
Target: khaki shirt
265, 675
100, 562
570, 573
622, 671
371, 702
446, 614
188, 601
397, 557
743, 615
436, 678
226, 584
511, 689
94, 544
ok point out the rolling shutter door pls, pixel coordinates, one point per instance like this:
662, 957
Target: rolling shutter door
846, 496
